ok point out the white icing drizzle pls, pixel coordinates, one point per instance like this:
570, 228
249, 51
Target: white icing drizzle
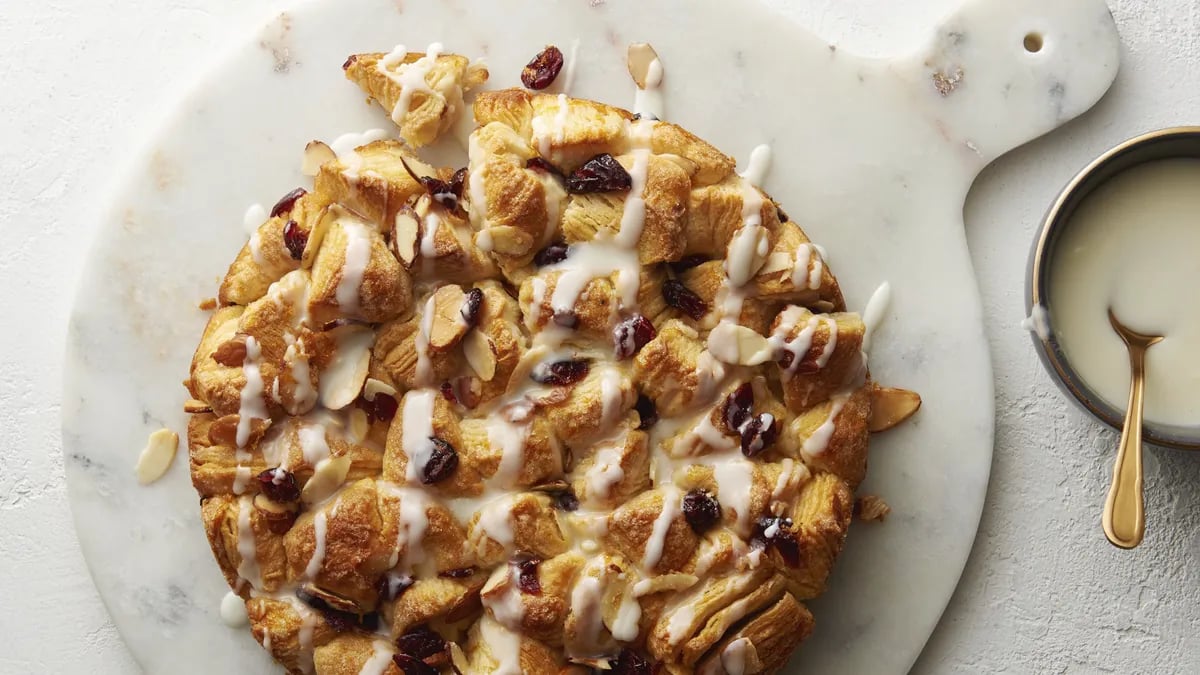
757, 166
424, 371
658, 536
546, 135
629, 613
253, 219
256, 249
506, 606
308, 624
648, 102
680, 623
818, 267
409, 76
358, 254
381, 658
417, 432
241, 473
830, 344
1038, 322
735, 480
510, 440
304, 396
233, 610
313, 446
495, 522
568, 78
605, 472
537, 295
816, 444
586, 602
633, 216
252, 405
592, 260
611, 395
505, 646
344, 147
736, 656
320, 528
709, 373
247, 546
800, 274
477, 195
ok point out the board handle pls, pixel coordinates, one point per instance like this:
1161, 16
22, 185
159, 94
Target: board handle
999, 73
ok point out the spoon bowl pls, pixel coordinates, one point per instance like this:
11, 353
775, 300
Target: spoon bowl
1124, 517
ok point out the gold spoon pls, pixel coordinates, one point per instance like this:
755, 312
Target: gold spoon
1124, 512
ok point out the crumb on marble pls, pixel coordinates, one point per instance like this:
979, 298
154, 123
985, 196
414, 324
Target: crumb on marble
947, 83
871, 509
208, 304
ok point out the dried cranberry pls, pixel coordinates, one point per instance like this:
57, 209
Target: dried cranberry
457, 573
541, 71
540, 164
682, 298
295, 239
565, 500
527, 575
776, 532
391, 586
421, 642
442, 462
448, 392
684, 264
601, 173
786, 359
279, 485
647, 411
286, 202
736, 409
759, 434
442, 192
350, 60
410, 665
383, 407
554, 253
629, 662
560, 372
632, 334
470, 308
336, 619
566, 318
701, 510
457, 181
783, 216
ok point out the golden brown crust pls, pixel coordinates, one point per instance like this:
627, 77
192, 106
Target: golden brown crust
551, 426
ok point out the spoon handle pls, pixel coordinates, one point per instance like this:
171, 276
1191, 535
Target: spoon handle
1124, 511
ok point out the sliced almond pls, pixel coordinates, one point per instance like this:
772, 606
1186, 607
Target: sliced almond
342, 380
316, 235
223, 431
358, 426
405, 232
374, 386
871, 509
665, 582
501, 579
639, 58
272, 509
340, 603
508, 240
481, 357
328, 476
156, 457
779, 261
193, 406
891, 406
448, 324
468, 389
736, 344
232, 352
316, 153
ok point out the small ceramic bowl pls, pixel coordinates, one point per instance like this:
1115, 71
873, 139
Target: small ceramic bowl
1162, 144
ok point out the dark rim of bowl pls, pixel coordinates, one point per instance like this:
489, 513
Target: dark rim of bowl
1168, 143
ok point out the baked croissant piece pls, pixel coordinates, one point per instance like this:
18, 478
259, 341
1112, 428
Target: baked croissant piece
589, 403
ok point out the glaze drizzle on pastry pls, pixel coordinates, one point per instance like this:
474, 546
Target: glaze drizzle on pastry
623, 414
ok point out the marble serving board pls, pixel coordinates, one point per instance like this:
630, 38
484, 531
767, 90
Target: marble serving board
873, 157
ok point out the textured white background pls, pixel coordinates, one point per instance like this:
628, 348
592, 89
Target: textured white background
81, 82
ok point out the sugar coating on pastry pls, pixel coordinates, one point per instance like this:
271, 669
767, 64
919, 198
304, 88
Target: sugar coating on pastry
590, 402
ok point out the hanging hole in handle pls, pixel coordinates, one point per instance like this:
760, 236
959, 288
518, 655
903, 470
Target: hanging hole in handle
1034, 42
